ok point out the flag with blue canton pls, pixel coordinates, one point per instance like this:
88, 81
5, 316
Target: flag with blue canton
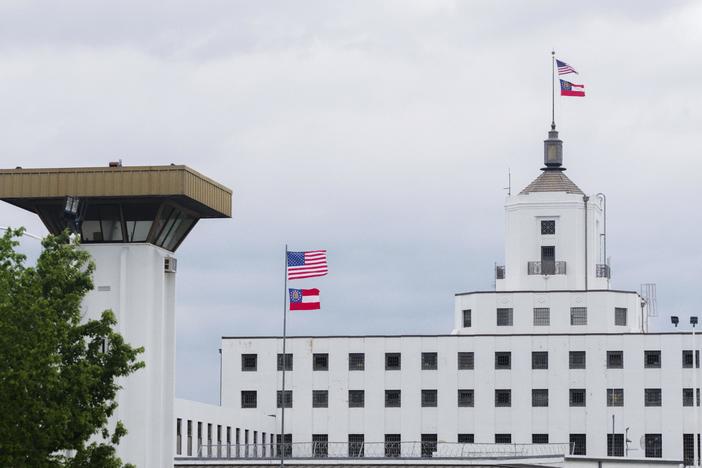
307, 264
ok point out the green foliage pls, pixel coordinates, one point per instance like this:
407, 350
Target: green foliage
57, 371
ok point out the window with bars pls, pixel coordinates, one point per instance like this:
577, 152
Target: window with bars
467, 318
393, 361
283, 445
539, 438
652, 397
356, 446
429, 445
357, 361
504, 317
578, 316
620, 316
654, 445
652, 359
466, 360
392, 445
578, 444
615, 397
503, 438
288, 398
503, 398
465, 398
576, 359
548, 227
320, 398
503, 360
248, 399
429, 398
357, 398
615, 359
429, 361
687, 399
687, 359
577, 397
542, 317
249, 362
320, 445
466, 439
320, 362
393, 398
539, 359
288, 361
615, 445
688, 448
539, 397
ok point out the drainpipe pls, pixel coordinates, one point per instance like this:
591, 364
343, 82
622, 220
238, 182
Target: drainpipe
585, 199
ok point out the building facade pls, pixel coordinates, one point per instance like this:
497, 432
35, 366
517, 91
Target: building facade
552, 355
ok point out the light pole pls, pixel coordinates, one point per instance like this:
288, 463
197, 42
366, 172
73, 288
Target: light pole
695, 392
25, 233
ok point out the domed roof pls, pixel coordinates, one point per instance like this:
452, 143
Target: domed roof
552, 181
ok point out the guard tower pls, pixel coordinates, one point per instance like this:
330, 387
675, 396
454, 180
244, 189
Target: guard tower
131, 220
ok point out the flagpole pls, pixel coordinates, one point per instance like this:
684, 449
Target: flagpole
282, 398
553, 90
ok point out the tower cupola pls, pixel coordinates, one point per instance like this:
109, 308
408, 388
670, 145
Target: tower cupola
553, 151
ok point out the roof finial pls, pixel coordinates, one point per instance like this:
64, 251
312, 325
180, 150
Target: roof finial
553, 151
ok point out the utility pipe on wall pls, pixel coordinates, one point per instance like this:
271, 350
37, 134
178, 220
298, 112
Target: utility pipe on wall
585, 199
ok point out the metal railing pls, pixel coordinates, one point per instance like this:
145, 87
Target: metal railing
546, 268
602, 271
305, 450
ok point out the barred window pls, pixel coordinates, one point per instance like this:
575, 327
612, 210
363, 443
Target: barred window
503, 438
654, 445
688, 449
288, 399
652, 397
320, 362
356, 446
320, 445
652, 359
393, 398
503, 397
615, 397
429, 445
539, 397
466, 360
548, 227
687, 397
539, 360
504, 317
687, 359
465, 398
248, 399
615, 445
576, 359
578, 444
542, 316
615, 359
620, 316
392, 361
429, 361
288, 361
392, 445
577, 397
503, 360
249, 362
466, 438
320, 398
467, 318
429, 398
578, 315
357, 398
357, 361
539, 438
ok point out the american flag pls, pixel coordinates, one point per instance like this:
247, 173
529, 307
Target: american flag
307, 264
564, 68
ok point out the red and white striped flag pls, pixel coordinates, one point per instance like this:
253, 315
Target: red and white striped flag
307, 264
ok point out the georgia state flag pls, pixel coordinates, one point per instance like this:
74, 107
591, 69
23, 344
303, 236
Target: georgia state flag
304, 299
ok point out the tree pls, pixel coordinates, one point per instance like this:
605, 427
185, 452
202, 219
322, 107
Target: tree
57, 371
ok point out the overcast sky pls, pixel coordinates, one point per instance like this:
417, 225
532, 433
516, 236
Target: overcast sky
380, 130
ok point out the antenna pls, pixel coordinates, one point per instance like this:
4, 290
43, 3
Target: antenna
648, 293
509, 182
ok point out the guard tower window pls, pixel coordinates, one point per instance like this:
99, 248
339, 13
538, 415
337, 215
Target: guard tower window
548, 227
504, 317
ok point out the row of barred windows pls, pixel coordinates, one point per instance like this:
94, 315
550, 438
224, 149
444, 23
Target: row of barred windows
504, 316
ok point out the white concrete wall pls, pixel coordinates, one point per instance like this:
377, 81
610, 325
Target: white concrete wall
484, 420
130, 280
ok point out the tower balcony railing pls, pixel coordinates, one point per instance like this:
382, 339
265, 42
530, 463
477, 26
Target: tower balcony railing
546, 268
603, 271
499, 272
